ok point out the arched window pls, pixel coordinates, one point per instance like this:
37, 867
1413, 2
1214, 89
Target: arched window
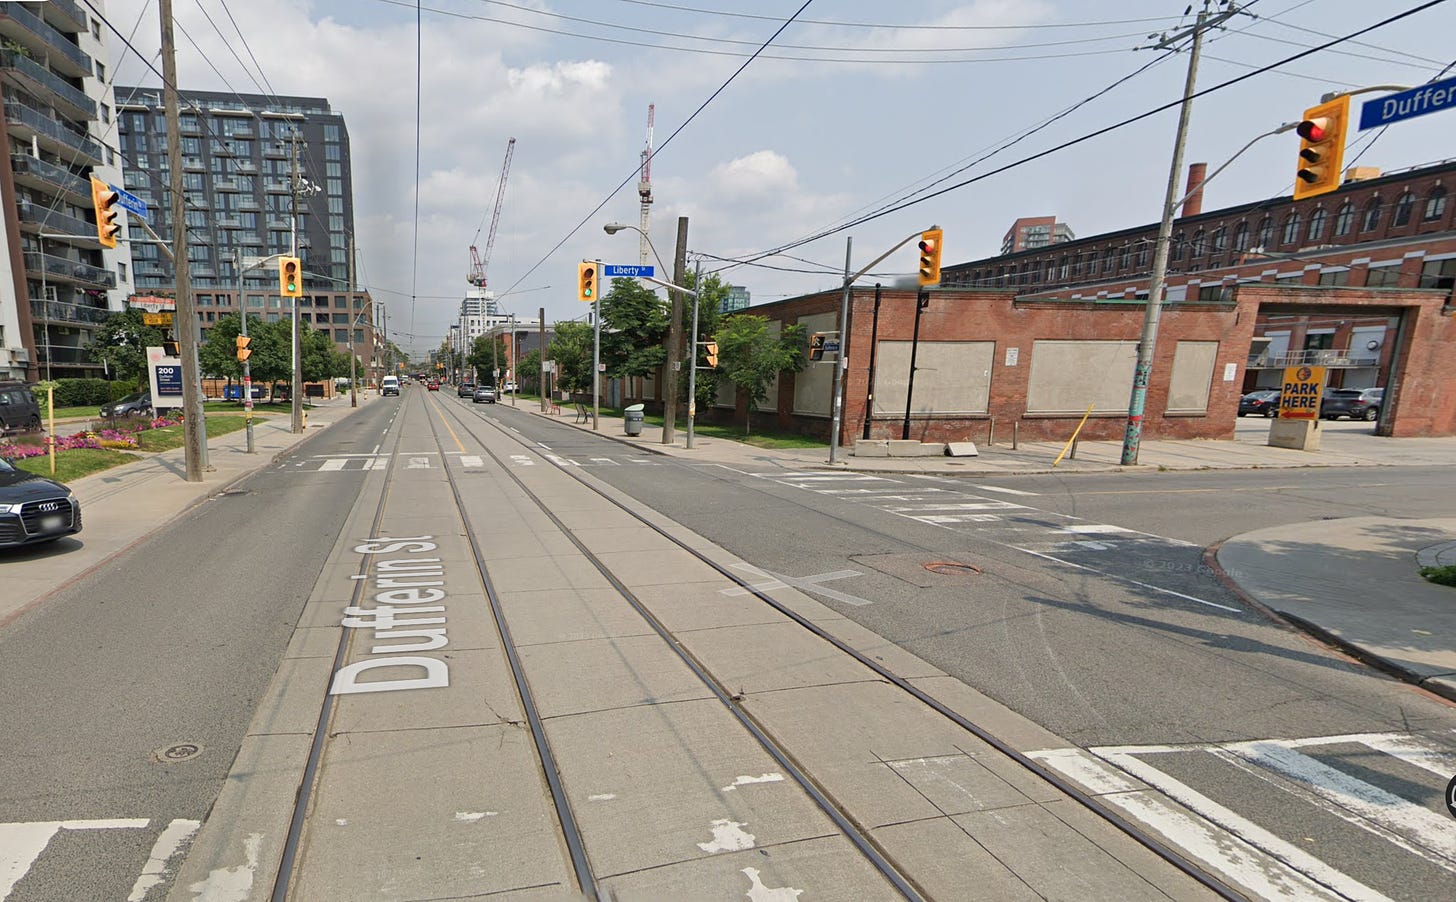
1435, 204
1220, 239
1109, 260
1177, 246
1291, 228
1197, 249
1317, 224
1266, 232
1371, 220
1401, 215
1126, 256
1051, 271
1092, 263
1142, 257
1241, 236
1344, 219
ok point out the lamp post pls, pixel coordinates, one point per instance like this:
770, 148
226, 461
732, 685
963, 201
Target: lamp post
613, 228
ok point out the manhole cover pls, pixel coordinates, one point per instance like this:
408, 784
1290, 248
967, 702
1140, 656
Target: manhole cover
182, 751
952, 568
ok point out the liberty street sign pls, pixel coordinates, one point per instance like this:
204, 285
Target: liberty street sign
621, 271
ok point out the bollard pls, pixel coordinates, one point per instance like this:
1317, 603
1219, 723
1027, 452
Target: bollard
1015, 433
1073, 455
991, 433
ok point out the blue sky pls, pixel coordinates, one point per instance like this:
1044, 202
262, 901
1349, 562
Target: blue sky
900, 95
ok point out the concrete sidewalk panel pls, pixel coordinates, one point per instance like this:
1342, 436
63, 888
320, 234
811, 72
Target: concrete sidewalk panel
949, 864
551, 615
706, 774
481, 693
664, 566
601, 674
765, 657
703, 605
430, 814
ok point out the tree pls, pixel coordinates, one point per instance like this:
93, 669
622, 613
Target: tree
321, 359
634, 326
528, 372
710, 303
486, 353
121, 343
750, 356
572, 351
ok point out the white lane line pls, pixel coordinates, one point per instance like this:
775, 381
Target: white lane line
604, 460
1096, 529
961, 506
1126, 579
1232, 855
1418, 752
333, 463
1363, 804
378, 463
997, 488
804, 584
22, 843
166, 846
376, 449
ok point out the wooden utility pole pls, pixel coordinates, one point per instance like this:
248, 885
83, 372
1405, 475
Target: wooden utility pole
674, 333
194, 427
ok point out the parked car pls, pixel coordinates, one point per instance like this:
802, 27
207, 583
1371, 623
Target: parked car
1355, 403
484, 394
18, 407
137, 404
510, 387
465, 389
1263, 403
34, 509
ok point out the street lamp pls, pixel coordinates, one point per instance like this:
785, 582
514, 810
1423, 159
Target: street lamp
613, 228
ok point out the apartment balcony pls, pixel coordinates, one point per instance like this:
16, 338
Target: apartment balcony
244, 166
59, 355
58, 312
31, 31
34, 172
61, 269
54, 223
42, 82
1313, 357
229, 222
226, 185
27, 123
66, 15
273, 186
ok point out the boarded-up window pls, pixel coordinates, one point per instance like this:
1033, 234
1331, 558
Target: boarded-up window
814, 384
1192, 377
1066, 376
951, 377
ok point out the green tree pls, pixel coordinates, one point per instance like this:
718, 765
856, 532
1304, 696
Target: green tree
321, 358
486, 353
750, 355
121, 343
634, 329
710, 302
572, 351
528, 372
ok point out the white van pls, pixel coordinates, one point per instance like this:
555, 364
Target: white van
389, 385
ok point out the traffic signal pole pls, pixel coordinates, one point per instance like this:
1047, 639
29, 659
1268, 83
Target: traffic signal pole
1147, 344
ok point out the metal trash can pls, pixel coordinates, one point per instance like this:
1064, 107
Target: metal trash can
633, 417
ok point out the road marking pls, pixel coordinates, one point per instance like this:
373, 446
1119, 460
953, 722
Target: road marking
562, 461
418, 463
522, 460
163, 850
378, 463
997, 488
22, 843
1126, 579
960, 506
604, 460
1096, 529
471, 460
805, 583
333, 463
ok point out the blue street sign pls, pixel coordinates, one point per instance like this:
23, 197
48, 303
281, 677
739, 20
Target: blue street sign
1431, 98
130, 202
622, 271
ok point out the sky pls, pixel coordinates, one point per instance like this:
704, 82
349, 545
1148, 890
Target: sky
861, 122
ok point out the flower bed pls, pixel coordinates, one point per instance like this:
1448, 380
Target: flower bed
114, 439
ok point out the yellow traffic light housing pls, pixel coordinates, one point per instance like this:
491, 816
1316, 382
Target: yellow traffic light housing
290, 277
244, 352
586, 282
103, 199
930, 257
710, 349
1321, 148
816, 346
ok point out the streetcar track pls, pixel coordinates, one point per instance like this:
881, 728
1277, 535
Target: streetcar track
1112, 817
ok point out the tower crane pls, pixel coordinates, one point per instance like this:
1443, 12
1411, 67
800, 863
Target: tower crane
478, 263
644, 190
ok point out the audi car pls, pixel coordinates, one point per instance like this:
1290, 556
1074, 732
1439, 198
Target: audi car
34, 509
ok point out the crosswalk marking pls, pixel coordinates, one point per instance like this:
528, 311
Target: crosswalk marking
1005, 491
333, 463
378, 463
471, 460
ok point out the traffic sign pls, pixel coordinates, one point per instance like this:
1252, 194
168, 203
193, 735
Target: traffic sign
130, 202
1418, 101
624, 271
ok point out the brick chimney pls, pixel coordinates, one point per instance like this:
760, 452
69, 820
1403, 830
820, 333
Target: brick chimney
1194, 204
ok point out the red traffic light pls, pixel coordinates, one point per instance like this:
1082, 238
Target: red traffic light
1314, 129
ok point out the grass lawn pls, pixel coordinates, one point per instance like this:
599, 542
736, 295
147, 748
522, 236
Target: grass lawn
90, 410
75, 463
172, 436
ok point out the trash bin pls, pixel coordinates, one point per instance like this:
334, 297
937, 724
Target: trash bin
633, 417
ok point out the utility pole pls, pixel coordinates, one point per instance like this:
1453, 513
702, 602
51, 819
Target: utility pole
247, 365
194, 427
693, 353
1147, 345
841, 363
674, 333
541, 340
297, 391
353, 389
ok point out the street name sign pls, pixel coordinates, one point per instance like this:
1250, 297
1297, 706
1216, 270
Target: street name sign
129, 202
623, 271
1418, 101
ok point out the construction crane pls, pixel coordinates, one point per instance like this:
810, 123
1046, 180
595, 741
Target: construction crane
478, 263
644, 191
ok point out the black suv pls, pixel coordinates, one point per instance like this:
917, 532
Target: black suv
1355, 403
34, 509
466, 389
18, 408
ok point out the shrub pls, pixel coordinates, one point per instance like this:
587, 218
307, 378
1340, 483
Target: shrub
79, 392
1445, 576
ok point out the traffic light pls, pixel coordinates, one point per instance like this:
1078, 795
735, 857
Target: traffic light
1321, 148
103, 199
172, 348
816, 346
243, 351
290, 277
930, 257
711, 350
586, 282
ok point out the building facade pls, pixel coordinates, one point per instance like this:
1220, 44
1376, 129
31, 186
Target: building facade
736, 299
263, 176
1031, 232
57, 283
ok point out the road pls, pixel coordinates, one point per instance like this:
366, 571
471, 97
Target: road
1081, 602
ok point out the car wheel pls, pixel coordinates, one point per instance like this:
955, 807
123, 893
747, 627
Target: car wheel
1271, 412
33, 423
1241, 413
1371, 414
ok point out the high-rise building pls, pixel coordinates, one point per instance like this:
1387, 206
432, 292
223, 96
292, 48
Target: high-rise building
263, 175
735, 299
1035, 231
57, 283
